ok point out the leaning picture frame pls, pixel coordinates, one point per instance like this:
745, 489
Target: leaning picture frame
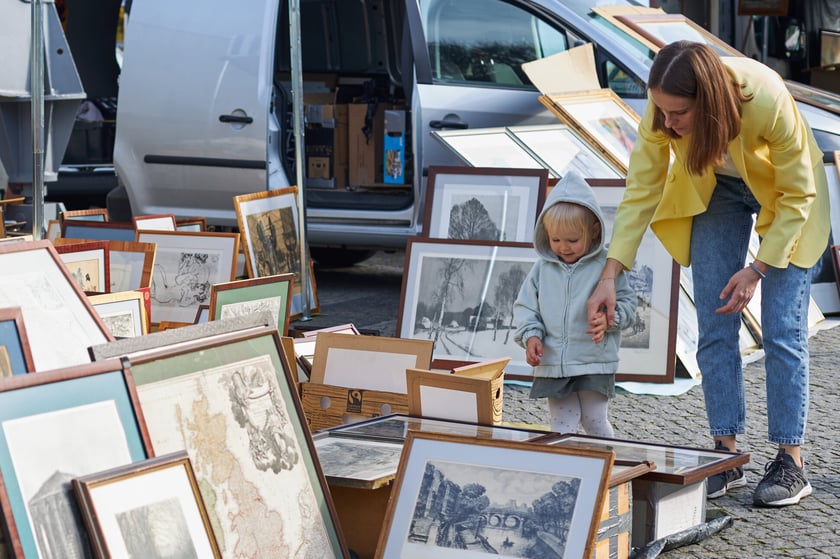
489, 147
153, 504
186, 265
268, 222
441, 395
658, 29
88, 264
90, 214
248, 296
123, 312
85, 419
15, 343
155, 222
232, 403
483, 203
130, 265
61, 323
97, 230
460, 294
564, 490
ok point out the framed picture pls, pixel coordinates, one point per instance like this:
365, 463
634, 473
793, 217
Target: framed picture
489, 147
448, 396
186, 265
648, 349
17, 357
156, 222
202, 315
562, 150
367, 362
603, 118
244, 297
459, 295
98, 230
195, 224
85, 419
130, 265
563, 492
123, 312
268, 222
53, 229
483, 203
658, 29
361, 463
762, 7
88, 265
232, 403
339, 329
92, 214
821, 98
60, 322
150, 505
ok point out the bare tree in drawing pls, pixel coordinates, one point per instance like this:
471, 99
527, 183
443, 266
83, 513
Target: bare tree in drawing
470, 220
506, 291
451, 283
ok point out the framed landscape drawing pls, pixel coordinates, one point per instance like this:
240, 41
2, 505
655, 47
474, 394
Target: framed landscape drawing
130, 265
244, 297
459, 295
268, 222
88, 265
15, 343
232, 403
483, 203
151, 505
563, 150
60, 322
560, 494
124, 313
58, 425
488, 147
186, 265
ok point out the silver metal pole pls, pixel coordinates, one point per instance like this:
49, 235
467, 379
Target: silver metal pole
300, 174
36, 85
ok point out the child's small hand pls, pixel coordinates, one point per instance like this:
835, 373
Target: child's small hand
598, 327
533, 351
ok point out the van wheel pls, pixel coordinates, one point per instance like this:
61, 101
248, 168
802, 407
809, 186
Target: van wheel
339, 257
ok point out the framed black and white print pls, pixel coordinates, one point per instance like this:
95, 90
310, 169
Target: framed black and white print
483, 203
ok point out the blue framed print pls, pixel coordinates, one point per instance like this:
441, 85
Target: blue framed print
15, 356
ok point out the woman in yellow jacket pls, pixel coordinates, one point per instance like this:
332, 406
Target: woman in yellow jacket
741, 149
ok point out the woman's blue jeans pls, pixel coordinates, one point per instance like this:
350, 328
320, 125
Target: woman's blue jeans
719, 241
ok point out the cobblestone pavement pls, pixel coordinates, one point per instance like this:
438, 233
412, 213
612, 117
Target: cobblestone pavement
369, 296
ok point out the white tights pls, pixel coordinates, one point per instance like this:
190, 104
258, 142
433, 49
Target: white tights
587, 408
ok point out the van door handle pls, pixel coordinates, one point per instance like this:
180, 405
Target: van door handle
236, 118
449, 121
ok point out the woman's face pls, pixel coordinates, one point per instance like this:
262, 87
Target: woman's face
677, 111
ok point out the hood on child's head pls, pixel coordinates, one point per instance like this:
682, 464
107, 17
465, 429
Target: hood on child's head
571, 188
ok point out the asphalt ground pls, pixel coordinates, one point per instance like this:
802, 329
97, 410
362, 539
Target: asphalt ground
368, 295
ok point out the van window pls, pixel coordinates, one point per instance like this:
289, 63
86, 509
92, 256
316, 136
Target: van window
485, 41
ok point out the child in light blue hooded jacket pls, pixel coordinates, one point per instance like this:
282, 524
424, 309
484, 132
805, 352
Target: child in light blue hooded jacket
574, 363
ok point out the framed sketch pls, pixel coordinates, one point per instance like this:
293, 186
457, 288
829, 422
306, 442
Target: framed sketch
268, 222
85, 419
489, 147
601, 117
367, 362
244, 297
483, 203
17, 357
97, 230
648, 349
447, 396
130, 265
88, 265
362, 463
459, 295
132, 510
186, 265
60, 322
156, 222
562, 149
195, 224
232, 403
658, 29
202, 315
563, 492
123, 312
91, 214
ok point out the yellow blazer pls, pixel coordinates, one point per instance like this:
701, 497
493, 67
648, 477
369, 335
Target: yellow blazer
776, 156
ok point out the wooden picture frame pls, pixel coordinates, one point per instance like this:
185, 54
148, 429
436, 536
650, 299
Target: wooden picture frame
97, 230
489, 275
53, 229
658, 29
602, 118
562, 150
61, 323
232, 398
489, 147
123, 312
441, 395
85, 419
367, 362
15, 343
483, 203
130, 264
244, 297
186, 265
122, 508
88, 264
195, 224
91, 214
155, 222
575, 480
268, 222
348, 328
762, 7
202, 315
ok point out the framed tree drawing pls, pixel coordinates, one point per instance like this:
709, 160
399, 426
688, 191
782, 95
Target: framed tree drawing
459, 295
249, 296
268, 222
483, 203
15, 343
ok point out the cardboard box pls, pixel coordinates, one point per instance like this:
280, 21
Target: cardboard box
393, 171
616, 521
661, 509
325, 141
326, 406
364, 141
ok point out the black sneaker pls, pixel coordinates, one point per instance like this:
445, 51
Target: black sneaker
718, 484
784, 483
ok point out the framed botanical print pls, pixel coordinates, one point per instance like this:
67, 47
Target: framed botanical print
186, 265
563, 150
16, 355
483, 203
249, 296
489, 147
88, 265
124, 313
268, 222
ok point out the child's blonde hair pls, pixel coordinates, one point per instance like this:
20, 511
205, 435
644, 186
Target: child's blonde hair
574, 218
